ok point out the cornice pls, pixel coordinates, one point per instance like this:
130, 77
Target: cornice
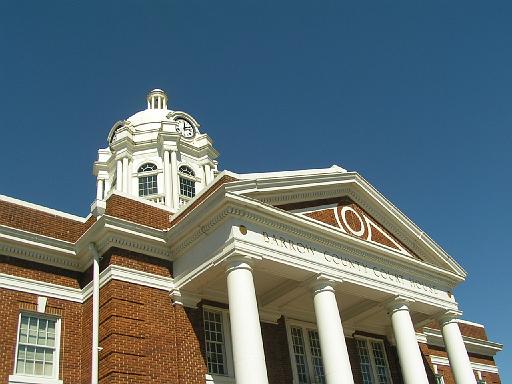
40, 288
441, 360
112, 272
37, 248
473, 345
300, 188
306, 228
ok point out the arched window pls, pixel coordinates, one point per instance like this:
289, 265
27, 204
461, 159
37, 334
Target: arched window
147, 179
187, 181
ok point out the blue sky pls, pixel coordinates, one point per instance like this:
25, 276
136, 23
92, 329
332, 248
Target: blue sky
414, 95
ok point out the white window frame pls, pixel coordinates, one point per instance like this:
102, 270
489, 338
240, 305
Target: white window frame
229, 377
18, 378
439, 378
367, 340
184, 198
141, 174
305, 326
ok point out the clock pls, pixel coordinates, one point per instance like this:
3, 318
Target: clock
185, 128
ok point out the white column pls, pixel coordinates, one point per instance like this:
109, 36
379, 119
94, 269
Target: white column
167, 179
207, 173
411, 362
125, 174
248, 355
106, 190
119, 175
175, 188
330, 330
457, 353
100, 188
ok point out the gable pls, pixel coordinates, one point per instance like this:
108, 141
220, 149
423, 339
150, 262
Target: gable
345, 215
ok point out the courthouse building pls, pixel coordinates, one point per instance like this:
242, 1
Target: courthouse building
187, 274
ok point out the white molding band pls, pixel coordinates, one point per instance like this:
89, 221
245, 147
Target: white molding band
22, 379
40, 288
112, 272
473, 345
440, 360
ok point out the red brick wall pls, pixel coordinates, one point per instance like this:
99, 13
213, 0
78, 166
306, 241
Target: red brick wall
277, 354
204, 196
137, 212
145, 339
41, 222
189, 331
41, 272
11, 304
430, 350
465, 329
137, 334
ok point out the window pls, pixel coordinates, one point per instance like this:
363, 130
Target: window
219, 359
37, 352
373, 361
307, 356
187, 181
147, 179
439, 379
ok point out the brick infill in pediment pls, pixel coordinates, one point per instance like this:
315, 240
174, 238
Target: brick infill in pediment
344, 214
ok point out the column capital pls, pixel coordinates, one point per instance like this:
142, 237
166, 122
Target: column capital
399, 303
122, 155
234, 262
320, 283
185, 299
448, 316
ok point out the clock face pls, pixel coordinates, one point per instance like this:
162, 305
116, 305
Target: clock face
185, 128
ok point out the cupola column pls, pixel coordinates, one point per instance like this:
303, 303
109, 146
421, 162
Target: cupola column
119, 175
330, 331
411, 362
125, 174
100, 189
167, 179
457, 353
248, 353
207, 173
175, 188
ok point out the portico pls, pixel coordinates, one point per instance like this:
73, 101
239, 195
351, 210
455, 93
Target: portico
270, 264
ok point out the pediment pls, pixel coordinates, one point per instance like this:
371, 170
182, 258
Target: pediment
346, 215
348, 203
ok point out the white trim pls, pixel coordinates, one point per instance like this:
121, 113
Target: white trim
112, 272
56, 358
218, 379
470, 323
373, 364
21, 379
228, 349
440, 360
473, 345
116, 272
282, 174
304, 327
41, 208
40, 288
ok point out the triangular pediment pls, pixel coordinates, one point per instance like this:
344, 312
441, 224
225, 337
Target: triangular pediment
346, 202
346, 215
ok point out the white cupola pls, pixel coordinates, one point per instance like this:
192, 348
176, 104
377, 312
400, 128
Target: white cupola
158, 155
157, 99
